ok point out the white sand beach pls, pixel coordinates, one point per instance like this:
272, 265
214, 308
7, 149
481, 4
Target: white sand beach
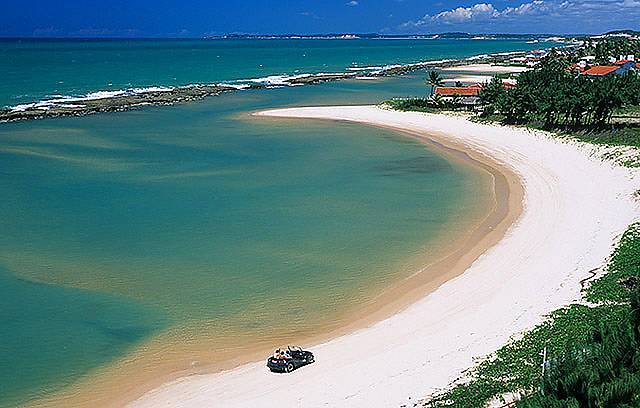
575, 205
486, 68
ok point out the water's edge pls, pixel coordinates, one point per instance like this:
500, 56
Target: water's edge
502, 207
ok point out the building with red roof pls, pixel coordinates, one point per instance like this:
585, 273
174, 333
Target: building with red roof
472, 90
602, 70
618, 68
465, 95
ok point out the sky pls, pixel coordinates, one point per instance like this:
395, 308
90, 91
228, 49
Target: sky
198, 18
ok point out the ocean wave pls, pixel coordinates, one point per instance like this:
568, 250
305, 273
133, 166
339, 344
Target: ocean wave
61, 101
234, 86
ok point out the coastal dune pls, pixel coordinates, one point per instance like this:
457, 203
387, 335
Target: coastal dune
574, 206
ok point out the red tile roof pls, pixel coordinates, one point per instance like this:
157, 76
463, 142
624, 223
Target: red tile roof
601, 70
472, 90
621, 62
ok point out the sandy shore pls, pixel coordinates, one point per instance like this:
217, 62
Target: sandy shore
486, 68
574, 206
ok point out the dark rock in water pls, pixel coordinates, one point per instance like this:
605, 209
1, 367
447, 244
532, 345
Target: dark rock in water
113, 104
314, 79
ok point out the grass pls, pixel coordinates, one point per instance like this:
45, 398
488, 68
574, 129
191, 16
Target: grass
623, 271
612, 135
516, 367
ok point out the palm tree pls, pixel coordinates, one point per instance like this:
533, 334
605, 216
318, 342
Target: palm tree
434, 80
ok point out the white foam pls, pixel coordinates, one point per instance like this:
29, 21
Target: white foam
278, 80
235, 86
67, 101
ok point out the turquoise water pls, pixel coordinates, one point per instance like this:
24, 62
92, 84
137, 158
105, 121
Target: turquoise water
36, 69
54, 332
199, 223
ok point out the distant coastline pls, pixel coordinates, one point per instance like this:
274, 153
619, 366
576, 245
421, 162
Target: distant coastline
373, 36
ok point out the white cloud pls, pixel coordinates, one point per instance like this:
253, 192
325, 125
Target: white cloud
353, 3
540, 12
535, 7
461, 14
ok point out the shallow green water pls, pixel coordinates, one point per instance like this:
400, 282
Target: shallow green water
197, 215
52, 332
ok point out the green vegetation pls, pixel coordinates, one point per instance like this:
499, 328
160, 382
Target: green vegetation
554, 97
593, 351
603, 110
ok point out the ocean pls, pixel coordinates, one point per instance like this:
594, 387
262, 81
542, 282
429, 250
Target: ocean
165, 231
34, 70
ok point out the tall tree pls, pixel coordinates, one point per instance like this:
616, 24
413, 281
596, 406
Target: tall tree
434, 80
491, 93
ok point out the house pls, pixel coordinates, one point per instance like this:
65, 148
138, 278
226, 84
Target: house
465, 95
468, 95
606, 70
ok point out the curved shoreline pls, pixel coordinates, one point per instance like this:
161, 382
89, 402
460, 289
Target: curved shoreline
457, 248
574, 206
507, 197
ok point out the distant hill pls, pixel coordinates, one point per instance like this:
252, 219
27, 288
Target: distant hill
455, 35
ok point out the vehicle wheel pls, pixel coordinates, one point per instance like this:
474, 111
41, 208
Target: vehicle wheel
310, 359
289, 368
